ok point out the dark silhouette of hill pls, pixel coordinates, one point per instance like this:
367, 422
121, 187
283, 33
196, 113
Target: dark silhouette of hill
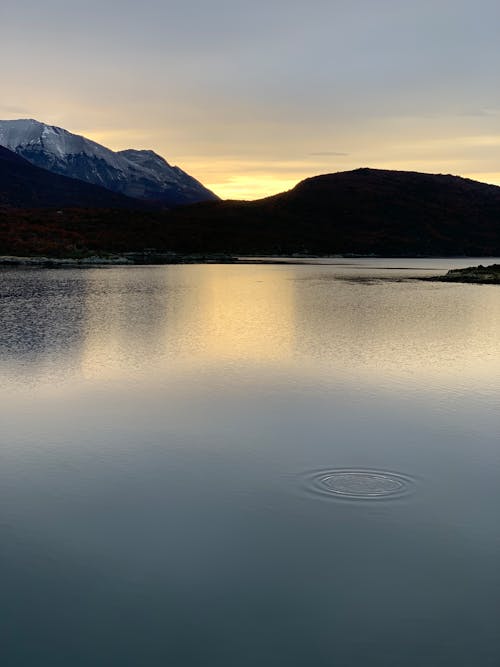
22, 185
366, 211
363, 211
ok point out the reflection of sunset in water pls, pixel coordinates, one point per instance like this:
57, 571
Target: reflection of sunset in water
331, 322
182, 437
240, 313
198, 313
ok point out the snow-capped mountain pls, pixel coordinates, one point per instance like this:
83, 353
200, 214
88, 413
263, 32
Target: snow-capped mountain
23, 185
139, 174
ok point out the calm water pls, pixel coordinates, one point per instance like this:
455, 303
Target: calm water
242, 466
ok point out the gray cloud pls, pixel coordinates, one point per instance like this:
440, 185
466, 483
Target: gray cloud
264, 81
328, 154
18, 110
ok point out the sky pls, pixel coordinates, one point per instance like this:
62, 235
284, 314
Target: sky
252, 97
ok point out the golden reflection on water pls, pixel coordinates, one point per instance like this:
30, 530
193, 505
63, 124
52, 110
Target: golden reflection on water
238, 313
201, 313
309, 319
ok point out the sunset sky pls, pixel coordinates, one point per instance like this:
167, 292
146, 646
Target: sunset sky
251, 97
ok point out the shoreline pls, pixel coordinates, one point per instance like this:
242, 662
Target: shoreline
156, 258
124, 259
489, 275
472, 275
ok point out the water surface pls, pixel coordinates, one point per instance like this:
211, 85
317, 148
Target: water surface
249, 465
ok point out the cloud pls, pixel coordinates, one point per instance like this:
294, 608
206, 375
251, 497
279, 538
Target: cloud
328, 154
21, 111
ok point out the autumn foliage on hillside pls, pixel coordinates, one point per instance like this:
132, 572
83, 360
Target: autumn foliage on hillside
363, 212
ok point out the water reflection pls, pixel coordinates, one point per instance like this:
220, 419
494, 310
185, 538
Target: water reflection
236, 313
223, 465
127, 314
102, 324
410, 329
42, 323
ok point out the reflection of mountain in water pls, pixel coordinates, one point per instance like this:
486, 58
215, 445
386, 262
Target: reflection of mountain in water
155, 318
127, 313
105, 323
121, 322
81, 322
42, 320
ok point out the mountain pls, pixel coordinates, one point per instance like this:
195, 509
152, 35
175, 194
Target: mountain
23, 185
365, 211
140, 174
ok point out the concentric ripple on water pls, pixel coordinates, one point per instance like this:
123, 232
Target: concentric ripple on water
360, 484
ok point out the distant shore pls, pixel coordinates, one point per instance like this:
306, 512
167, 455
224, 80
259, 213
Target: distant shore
140, 259
125, 259
476, 274
155, 258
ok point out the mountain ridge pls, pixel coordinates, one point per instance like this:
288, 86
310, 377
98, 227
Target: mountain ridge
24, 185
362, 212
125, 172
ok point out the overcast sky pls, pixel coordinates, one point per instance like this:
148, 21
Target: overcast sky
251, 97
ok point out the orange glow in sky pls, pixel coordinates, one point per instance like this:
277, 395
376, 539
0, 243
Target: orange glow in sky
251, 98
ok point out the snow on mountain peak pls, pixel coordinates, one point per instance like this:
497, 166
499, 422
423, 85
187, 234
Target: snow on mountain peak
137, 173
16, 134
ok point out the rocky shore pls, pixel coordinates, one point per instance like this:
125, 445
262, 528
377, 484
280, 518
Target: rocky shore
124, 259
484, 275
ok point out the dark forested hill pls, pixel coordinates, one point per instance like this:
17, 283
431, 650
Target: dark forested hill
22, 185
366, 211
363, 211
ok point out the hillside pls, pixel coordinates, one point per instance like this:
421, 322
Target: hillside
363, 211
141, 174
366, 211
22, 185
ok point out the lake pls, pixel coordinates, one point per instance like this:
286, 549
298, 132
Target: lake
250, 465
